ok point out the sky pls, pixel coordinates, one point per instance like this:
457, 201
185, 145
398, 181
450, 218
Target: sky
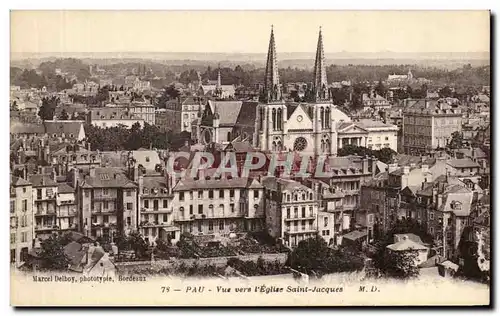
248, 31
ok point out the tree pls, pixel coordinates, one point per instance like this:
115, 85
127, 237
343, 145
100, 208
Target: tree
396, 264
52, 255
137, 244
380, 88
48, 108
64, 115
445, 92
456, 140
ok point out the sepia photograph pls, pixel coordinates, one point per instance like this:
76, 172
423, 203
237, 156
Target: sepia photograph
250, 158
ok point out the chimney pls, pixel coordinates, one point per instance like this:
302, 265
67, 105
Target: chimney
439, 200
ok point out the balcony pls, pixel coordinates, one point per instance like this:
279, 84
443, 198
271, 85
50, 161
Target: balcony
152, 224
70, 227
306, 230
45, 212
46, 227
103, 212
104, 198
48, 197
103, 225
299, 218
155, 210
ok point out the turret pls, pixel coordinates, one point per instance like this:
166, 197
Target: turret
272, 89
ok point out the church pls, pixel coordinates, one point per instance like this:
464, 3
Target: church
316, 127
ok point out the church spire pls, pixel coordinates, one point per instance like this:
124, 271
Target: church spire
272, 91
320, 83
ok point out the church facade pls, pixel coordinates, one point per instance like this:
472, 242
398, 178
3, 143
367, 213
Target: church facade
309, 127
315, 127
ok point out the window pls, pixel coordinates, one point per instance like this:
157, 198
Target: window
94, 219
431, 215
129, 221
221, 225
386, 138
24, 190
449, 221
190, 209
303, 211
210, 226
106, 219
105, 191
221, 194
165, 203
295, 212
199, 226
12, 207
325, 220
200, 194
431, 230
181, 196
287, 212
210, 194
129, 193
311, 212
231, 193
165, 218
106, 205
86, 193
13, 238
24, 237
200, 209
303, 196
231, 206
147, 159
146, 203
25, 205
129, 206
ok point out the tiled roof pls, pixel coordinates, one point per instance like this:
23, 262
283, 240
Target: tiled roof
368, 124
228, 111
64, 188
406, 244
463, 163
63, 127
458, 203
23, 128
39, 180
187, 184
108, 178
16, 181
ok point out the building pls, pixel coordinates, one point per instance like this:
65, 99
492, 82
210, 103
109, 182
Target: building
428, 125
113, 117
305, 127
368, 133
21, 220
291, 211
191, 109
375, 101
405, 244
396, 78
218, 206
107, 202
142, 110
224, 121
44, 205
67, 215
156, 216
217, 90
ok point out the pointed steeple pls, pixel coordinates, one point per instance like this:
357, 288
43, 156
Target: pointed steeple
320, 83
272, 91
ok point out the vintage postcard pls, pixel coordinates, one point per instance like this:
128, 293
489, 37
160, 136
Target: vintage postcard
250, 158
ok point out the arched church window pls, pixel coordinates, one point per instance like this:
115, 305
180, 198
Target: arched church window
280, 119
322, 117
327, 118
274, 119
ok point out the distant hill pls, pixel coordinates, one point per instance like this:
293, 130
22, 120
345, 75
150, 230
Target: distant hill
300, 60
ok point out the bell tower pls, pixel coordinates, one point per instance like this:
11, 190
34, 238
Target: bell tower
272, 112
